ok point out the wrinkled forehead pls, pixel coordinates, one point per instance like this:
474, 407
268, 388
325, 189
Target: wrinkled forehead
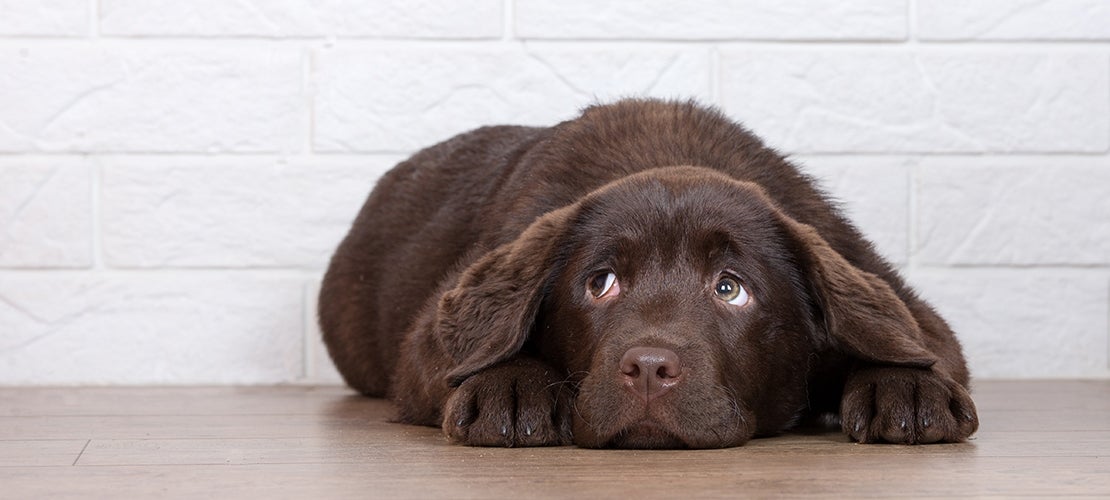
678, 201
683, 209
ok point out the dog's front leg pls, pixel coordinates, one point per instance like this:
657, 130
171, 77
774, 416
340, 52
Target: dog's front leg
906, 406
518, 402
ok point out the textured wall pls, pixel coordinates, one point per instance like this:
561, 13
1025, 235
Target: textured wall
174, 174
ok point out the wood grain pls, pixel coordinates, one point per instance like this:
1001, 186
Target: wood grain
1043, 438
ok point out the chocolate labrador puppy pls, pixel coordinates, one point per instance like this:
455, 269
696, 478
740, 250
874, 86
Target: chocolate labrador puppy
647, 275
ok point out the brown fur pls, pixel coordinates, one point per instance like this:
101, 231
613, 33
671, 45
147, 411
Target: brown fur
461, 293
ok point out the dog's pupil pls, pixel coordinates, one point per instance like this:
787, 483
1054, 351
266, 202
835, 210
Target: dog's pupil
725, 288
597, 284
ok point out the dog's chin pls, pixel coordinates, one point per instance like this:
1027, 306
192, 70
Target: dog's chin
649, 433
607, 417
646, 435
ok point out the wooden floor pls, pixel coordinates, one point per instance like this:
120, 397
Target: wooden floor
1037, 439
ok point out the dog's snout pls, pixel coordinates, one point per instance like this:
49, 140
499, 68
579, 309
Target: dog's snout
650, 371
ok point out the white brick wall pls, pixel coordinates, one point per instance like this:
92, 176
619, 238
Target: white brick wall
174, 175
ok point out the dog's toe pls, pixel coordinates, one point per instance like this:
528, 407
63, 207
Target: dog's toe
906, 406
518, 403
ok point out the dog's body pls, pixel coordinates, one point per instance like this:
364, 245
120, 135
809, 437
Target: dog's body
646, 275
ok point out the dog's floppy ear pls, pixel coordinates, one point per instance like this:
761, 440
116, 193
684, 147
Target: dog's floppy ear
487, 316
864, 317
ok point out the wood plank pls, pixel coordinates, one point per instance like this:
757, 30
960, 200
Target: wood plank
600, 474
1041, 394
1049, 438
368, 447
1045, 419
40, 452
69, 401
343, 417
187, 426
988, 395
210, 414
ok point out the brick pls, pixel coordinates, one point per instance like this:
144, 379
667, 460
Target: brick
304, 18
258, 213
1079, 20
422, 96
67, 98
874, 195
45, 213
713, 19
150, 329
44, 17
933, 102
1024, 323
1027, 215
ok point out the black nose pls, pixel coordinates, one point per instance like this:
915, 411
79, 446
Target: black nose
650, 371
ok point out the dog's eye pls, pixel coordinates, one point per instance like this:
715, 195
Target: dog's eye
602, 284
730, 290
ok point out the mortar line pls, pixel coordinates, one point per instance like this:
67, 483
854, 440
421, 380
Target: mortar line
94, 19
911, 22
367, 42
508, 14
913, 222
308, 88
96, 200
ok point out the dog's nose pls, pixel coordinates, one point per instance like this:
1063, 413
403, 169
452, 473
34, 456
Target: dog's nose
650, 371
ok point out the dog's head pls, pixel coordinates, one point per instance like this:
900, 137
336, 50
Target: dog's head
685, 307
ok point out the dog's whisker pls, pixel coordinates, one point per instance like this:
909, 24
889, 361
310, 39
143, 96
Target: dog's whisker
577, 411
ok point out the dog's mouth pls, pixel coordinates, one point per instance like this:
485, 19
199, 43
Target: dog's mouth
646, 434
718, 425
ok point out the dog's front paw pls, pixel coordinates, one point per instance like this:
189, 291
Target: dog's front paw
907, 406
517, 403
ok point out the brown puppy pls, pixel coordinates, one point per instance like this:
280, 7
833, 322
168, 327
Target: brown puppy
647, 275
